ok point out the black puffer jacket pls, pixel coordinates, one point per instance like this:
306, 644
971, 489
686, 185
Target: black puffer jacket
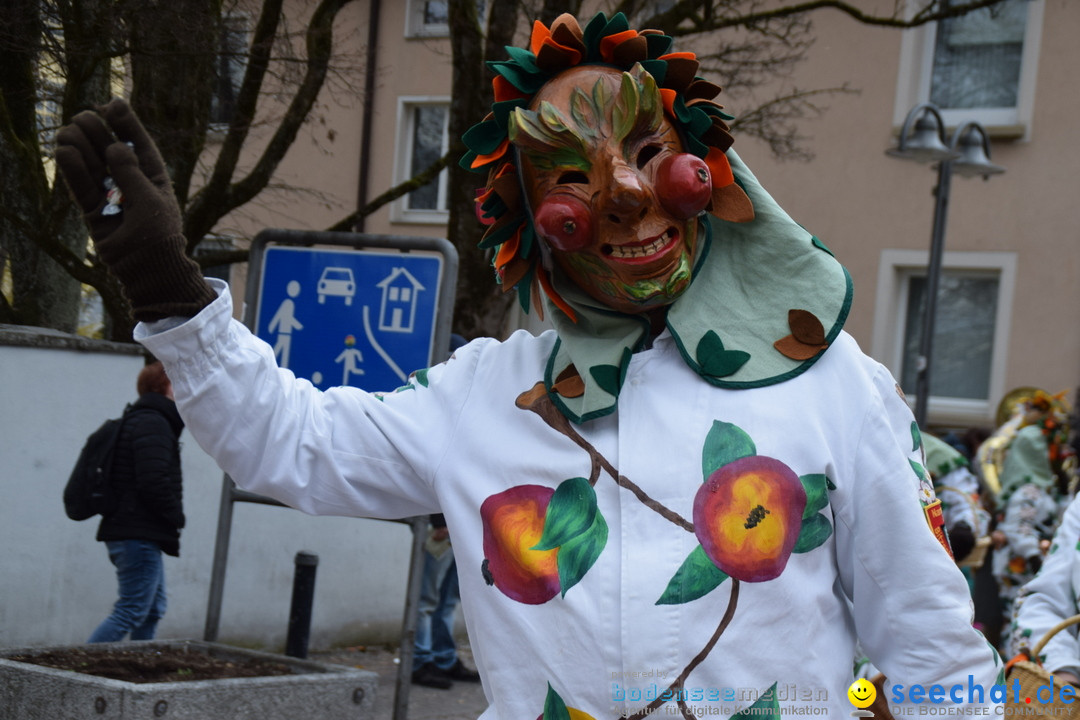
146, 476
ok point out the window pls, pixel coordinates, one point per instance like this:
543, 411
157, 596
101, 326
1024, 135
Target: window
967, 363
231, 63
979, 66
422, 139
431, 18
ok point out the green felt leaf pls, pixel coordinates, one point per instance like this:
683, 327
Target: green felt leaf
466, 161
920, 471
658, 45
484, 138
499, 235
523, 57
916, 436
592, 34
816, 242
554, 707
609, 377
717, 361
656, 68
695, 578
725, 443
817, 495
699, 121
422, 376
766, 706
830, 484
616, 25
570, 512
501, 110
815, 531
526, 243
578, 555
523, 80
695, 146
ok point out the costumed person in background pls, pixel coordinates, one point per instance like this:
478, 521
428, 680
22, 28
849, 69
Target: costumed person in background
1038, 479
147, 479
1050, 598
695, 483
958, 488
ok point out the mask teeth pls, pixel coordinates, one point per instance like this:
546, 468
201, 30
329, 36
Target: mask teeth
637, 251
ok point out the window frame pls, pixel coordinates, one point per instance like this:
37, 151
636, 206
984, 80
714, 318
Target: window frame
916, 70
415, 27
890, 307
400, 211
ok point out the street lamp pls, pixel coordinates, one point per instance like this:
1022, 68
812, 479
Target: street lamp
967, 153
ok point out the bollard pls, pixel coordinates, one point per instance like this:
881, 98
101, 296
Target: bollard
296, 644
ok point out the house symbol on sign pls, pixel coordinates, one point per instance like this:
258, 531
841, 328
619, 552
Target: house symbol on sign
398, 310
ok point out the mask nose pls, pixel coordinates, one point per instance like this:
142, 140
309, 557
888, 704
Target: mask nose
625, 199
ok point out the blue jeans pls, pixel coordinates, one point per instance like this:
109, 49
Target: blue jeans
439, 598
140, 574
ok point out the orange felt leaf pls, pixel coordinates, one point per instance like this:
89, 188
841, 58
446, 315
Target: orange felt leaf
482, 160
679, 55
540, 33
608, 44
719, 168
508, 250
549, 290
569, 383
512, 272
668, 96
731, 203
789, 347
505, 90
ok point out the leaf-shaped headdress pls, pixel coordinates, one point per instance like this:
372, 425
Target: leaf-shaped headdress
688, 105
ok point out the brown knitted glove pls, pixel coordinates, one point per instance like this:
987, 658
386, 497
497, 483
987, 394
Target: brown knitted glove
140, 239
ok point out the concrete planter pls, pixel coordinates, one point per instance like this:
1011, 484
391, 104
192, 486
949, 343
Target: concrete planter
314, 690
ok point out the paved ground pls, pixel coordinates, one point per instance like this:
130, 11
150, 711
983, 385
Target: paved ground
464, 701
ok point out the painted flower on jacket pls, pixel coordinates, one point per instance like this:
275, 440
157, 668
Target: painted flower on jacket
748, 516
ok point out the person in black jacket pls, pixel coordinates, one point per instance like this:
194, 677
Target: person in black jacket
147, 522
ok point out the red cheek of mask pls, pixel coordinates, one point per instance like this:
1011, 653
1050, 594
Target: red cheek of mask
683, 185
565, 223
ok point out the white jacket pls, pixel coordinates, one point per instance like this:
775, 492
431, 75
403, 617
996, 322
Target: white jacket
455, 438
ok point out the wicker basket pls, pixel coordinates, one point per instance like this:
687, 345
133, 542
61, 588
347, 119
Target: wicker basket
1033, 676
977, 556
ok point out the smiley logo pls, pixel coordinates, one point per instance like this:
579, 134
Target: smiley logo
862, 693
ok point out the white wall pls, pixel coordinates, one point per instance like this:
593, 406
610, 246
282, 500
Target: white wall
56, 582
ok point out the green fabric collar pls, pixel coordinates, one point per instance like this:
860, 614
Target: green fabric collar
766, 301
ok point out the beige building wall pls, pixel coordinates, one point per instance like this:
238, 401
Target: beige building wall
869, 208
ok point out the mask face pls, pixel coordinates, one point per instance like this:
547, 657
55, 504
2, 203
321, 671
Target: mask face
613, 196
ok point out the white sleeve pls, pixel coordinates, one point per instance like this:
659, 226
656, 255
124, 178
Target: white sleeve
911, 604
1051, 597
336, 452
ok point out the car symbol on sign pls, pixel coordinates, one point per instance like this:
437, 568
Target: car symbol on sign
337, 281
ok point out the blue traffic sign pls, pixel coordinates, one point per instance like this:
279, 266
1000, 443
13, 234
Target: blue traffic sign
349, 317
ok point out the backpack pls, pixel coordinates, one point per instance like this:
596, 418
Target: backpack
88, 491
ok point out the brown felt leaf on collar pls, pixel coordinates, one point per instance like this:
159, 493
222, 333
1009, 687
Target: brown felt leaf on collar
807, 336
569, 383
732, 204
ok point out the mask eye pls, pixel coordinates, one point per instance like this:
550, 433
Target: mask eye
574, 177
646, 154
